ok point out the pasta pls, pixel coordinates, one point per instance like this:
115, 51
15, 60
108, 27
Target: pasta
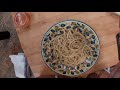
70, 48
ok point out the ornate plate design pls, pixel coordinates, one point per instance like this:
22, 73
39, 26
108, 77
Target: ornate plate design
70, 47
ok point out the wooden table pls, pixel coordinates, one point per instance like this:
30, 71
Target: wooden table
105, 24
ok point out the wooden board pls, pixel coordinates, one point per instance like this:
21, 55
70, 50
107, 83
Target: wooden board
105, 24
118, 13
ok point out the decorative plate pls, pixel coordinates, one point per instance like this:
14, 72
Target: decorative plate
70, 47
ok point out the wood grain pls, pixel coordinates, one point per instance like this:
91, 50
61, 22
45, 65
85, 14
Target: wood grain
105, 24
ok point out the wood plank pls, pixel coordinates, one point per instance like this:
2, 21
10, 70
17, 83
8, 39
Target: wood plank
106, 25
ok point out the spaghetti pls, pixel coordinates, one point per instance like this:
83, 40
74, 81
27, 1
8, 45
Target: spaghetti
69, 48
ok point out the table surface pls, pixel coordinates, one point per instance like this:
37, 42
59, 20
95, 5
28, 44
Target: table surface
105, 24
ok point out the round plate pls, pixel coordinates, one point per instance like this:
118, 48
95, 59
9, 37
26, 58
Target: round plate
70, 47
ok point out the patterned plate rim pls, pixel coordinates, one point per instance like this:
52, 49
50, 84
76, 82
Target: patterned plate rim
90, 66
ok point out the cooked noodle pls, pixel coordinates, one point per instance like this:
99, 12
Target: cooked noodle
69, 48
